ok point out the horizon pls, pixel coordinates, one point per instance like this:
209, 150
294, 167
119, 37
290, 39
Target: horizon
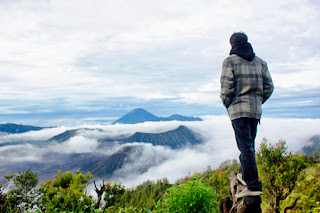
60, 67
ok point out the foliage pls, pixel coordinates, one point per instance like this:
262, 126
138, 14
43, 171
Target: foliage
143, 196
314, 158
113, 193
278, 171
306, 192
4, 201
132, 209
26, 181
230, 165
191, 196
218, 179
66, 193
291, 183
23, 196
219, 182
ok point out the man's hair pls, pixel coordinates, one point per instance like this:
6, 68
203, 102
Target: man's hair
238, 38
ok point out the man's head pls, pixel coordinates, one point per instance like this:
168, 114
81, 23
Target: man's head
238, 38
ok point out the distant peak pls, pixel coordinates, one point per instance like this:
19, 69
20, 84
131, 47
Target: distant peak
140, 115
137, 115
138, 110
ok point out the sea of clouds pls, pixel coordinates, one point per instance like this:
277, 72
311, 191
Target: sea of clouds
216, 131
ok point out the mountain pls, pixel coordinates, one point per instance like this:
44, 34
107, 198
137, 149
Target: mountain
313, 145
108, 166
137, 116
17, 128
133, 154
177, 117
129, 160
69, 134
140, 115
64, 136
175, 139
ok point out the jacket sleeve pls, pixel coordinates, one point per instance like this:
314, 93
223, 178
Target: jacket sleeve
267, 84
227, 83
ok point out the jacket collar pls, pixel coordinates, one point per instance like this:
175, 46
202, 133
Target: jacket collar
244, 50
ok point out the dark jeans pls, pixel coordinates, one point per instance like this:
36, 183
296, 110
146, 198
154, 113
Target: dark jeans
245, 130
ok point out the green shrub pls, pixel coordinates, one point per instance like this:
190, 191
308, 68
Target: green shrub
66, 194
22, 197
279, 172
191, 196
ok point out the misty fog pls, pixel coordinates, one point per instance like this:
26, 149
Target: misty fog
219, 145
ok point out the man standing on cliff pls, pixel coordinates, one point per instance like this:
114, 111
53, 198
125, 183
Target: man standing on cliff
245, 85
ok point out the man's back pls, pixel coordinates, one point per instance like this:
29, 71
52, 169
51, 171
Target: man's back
245, 85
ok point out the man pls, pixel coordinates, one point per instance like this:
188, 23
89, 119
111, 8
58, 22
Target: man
245, 85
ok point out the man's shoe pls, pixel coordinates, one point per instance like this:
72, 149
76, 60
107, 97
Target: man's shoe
239, 177
246, 192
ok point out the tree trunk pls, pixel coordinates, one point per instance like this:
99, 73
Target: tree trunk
99, 193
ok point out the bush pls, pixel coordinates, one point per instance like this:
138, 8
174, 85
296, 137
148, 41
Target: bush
22, 197
66, 193
191, 196
279, 172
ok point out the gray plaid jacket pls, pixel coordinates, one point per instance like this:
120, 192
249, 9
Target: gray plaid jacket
245, 86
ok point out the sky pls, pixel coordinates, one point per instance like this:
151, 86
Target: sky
80, 61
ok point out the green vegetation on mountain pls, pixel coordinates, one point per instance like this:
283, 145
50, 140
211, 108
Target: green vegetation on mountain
291, 184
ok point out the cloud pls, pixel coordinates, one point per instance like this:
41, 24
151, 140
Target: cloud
219, 145
41, 135
76, 144
20, 154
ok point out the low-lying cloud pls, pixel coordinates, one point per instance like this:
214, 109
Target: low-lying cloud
216, 131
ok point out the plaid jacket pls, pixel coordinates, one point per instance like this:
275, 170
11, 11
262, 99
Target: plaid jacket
245, 86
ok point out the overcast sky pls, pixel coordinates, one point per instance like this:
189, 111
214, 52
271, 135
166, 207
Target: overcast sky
80, 60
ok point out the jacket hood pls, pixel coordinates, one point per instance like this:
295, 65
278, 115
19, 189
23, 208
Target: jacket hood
244, 50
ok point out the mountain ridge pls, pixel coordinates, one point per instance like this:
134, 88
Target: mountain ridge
12, 128
140, 115
175, 139
312, 146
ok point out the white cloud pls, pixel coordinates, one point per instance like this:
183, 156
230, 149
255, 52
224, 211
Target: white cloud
40, 135
297, 75
20, 153
219, 145
77, 144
